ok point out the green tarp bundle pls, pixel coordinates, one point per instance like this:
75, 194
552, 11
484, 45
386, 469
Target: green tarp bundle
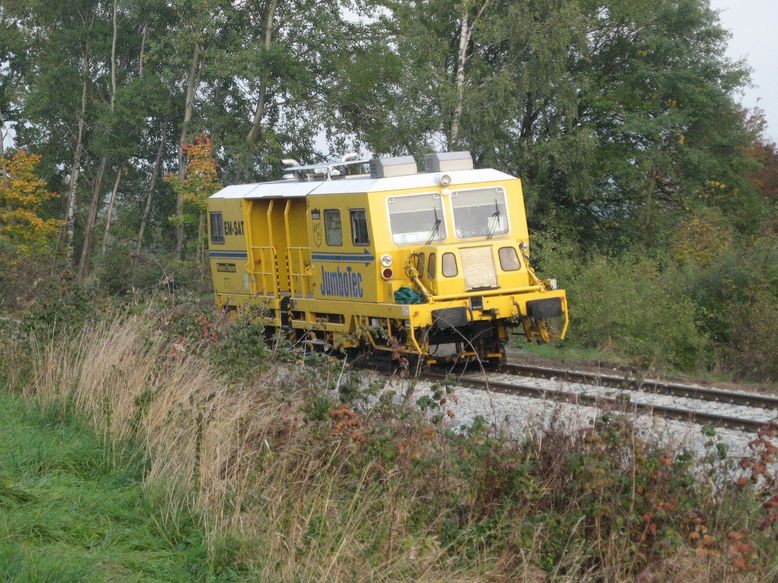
406, 295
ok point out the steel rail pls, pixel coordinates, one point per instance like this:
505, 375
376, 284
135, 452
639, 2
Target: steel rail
647, 385
518, 388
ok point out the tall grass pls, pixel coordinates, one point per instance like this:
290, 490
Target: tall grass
238, 456
289, 485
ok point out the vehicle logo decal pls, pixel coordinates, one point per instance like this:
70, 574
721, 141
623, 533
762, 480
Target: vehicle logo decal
317, 233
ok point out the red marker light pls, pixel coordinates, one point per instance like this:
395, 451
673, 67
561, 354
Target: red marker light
387, 273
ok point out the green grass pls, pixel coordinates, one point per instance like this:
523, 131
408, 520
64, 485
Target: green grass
67, 513
567, 350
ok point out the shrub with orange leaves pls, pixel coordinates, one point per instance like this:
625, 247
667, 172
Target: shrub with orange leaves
198, 183
346, 422
22, 195
201, 179
740, 550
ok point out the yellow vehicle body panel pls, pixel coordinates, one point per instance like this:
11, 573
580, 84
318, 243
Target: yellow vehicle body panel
228, 255
334, 261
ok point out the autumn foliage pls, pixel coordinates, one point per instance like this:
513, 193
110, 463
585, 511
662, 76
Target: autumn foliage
201, 179
22, 194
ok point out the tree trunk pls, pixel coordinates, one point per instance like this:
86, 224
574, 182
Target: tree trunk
2, 137
143, 37
109, 213
150, 192
528, 119
201, 243
464, 41
89, 229
3, 172
191, 87
89, 232
466, 29
75, 169
259, 112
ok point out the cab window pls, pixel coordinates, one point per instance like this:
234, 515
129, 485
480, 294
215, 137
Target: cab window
509, 259
359, 233
479, 213
449, 265
333, 229
420, 264
431, 266
217, 228
416, 219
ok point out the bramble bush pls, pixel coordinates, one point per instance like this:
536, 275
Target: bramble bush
596, 503
122, 270
240, 350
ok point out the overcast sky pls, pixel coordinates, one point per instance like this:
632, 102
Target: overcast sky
754, 24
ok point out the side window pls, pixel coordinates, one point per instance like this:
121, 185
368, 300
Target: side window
359, 232
217, 228
509, 259
450, 265
431, 266
332, 227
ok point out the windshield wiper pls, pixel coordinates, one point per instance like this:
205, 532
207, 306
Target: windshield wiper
435, 227
495, 223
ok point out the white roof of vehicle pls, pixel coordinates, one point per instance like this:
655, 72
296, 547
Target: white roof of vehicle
297, 189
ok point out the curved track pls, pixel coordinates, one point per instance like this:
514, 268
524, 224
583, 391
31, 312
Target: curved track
525, 387
645, 385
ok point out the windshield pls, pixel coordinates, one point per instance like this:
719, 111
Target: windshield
479, 213
416, 219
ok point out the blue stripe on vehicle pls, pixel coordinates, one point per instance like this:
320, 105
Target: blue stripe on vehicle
228, 254
351, 257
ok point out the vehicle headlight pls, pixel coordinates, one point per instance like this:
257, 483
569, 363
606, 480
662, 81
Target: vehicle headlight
386, 260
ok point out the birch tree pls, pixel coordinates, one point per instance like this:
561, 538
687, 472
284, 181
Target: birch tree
89, 228
467, 22
75, 168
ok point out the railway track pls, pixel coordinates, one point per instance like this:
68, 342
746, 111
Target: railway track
623, 401
646, 385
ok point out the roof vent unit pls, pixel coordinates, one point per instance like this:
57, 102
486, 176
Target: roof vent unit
390, 167
448, 161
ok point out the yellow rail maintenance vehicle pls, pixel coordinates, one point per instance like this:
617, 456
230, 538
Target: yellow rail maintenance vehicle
374, 255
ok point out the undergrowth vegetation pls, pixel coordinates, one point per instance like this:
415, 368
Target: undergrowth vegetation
674, 310
298, 472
